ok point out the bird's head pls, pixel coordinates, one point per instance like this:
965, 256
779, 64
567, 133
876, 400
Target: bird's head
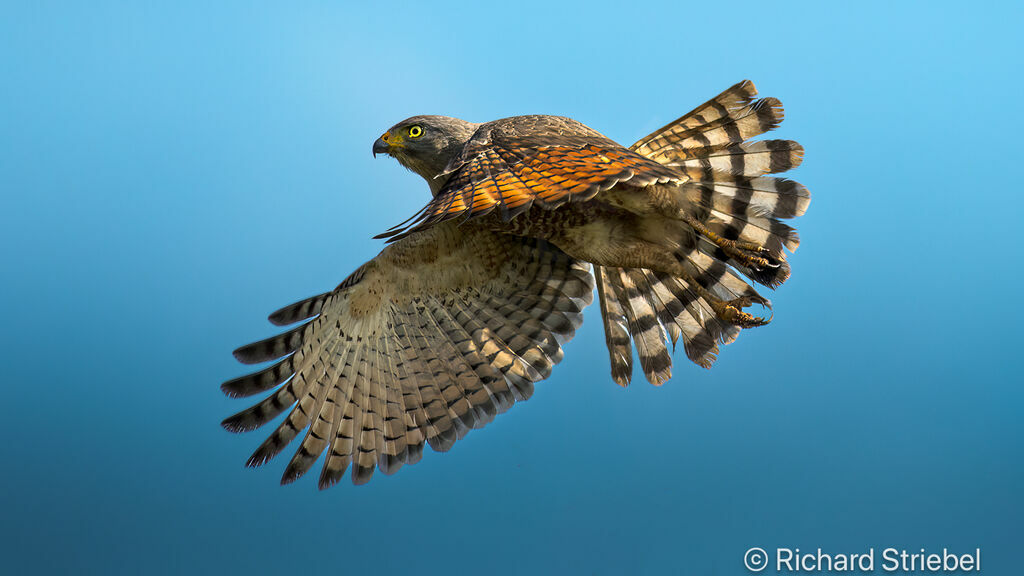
426, 144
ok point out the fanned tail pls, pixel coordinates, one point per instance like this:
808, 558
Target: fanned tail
733, 207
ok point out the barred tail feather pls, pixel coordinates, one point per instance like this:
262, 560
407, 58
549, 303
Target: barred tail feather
616, 331
644, 327
749, 159
726, 105
764, 196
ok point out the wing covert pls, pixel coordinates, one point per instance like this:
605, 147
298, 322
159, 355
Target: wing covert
519, 162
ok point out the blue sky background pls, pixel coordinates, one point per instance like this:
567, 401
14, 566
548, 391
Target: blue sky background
171, 173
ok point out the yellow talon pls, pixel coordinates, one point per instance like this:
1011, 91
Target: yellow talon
732, 312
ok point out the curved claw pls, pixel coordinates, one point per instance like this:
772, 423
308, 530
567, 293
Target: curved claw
732, 312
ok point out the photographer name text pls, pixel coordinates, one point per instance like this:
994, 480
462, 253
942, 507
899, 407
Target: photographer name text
890, 560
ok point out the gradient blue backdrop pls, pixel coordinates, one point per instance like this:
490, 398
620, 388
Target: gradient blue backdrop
172, 173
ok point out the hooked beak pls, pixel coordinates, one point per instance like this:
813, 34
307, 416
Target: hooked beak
380, 147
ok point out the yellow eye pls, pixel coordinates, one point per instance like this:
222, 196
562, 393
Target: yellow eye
415, 132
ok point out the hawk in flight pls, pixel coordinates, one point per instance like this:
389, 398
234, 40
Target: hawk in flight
469, 303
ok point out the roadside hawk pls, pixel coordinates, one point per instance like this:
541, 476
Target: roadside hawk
470, 302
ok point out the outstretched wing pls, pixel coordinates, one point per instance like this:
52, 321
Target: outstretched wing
432, 338
514, 163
